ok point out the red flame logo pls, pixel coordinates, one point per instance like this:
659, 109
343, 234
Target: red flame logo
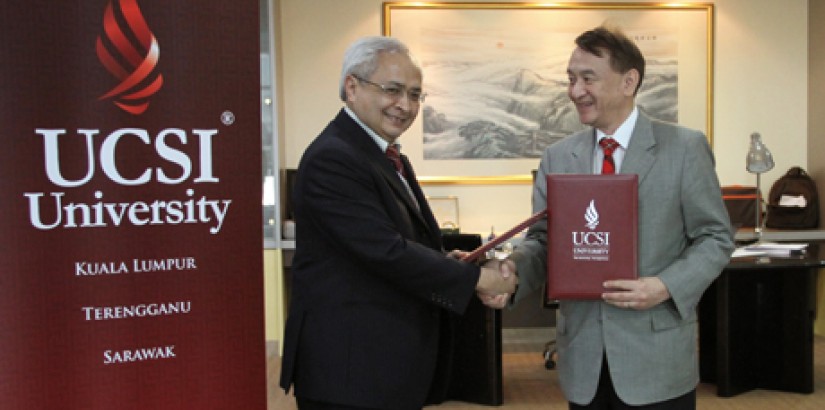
129, 51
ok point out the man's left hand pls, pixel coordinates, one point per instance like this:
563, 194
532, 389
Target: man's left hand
639, 294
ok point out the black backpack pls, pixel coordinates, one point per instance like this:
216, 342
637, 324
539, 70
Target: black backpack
795, 183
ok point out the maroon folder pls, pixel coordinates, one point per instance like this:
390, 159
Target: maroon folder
592, 233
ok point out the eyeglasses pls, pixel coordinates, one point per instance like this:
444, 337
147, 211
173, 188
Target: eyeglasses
395, 91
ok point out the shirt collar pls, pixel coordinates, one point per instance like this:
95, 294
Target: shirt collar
382, 143
624, 132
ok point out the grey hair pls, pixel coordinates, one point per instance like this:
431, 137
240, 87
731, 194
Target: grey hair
361, 58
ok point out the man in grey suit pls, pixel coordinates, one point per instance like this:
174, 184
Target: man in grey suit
637, 346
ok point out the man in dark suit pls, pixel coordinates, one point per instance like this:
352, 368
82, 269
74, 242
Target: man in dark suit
637, 347
372, 289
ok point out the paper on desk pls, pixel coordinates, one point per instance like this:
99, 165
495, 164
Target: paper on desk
741, 252
770, 249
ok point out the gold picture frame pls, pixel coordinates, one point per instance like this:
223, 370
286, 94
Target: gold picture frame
681, 33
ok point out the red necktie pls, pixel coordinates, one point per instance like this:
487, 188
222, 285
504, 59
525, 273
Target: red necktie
608, 146
395, 157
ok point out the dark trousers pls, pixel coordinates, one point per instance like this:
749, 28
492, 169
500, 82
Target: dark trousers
306, 404
607, 399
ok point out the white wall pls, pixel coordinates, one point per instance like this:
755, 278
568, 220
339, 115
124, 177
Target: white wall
760, 76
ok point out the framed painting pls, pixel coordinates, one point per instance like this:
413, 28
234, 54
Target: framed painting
445, 210
496, 81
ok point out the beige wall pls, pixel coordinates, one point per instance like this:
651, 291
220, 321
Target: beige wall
274, 309
816, 142
761, 74
816, 98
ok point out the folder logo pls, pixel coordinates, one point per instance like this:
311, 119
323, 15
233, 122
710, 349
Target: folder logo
591, 245
591, 216
129, 51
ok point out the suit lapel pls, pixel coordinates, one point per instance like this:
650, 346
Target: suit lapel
356, 135
423, 210
420, 210
582, 154
390, 174
639, 157
401, 190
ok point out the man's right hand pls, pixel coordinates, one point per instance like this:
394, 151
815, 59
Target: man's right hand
497, 282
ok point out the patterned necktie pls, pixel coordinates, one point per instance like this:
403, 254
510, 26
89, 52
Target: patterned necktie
608, 145
395, 157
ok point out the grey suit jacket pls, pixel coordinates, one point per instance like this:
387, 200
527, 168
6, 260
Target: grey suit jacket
685, 239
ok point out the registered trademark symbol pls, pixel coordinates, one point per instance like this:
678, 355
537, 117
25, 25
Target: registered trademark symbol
227, 118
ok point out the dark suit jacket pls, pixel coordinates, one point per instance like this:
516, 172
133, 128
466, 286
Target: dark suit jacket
370, 281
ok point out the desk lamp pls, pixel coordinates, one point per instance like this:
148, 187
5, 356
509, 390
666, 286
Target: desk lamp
759, 161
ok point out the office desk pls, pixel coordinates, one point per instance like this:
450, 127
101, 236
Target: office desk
756, 324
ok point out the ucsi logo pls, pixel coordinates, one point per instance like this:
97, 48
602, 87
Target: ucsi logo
129, 51
591, 238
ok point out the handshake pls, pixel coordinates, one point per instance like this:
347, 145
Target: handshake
498, 280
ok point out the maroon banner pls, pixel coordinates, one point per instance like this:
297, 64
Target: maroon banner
131, 267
